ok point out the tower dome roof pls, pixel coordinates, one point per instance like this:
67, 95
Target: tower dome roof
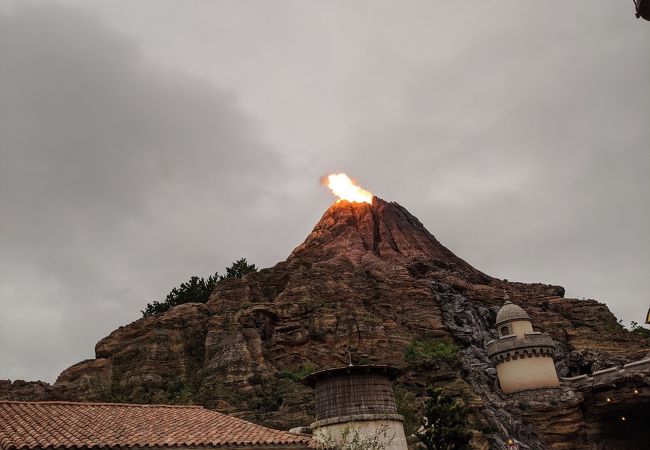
509, 312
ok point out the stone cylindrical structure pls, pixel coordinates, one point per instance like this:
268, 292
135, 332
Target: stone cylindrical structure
523, 357
357, 400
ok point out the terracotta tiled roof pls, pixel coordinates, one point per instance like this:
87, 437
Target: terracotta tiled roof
31, 425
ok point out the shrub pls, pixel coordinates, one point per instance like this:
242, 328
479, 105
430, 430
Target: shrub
301, 372
429, 351
444, 423
638, 330
178, 392
267, 397
643, 332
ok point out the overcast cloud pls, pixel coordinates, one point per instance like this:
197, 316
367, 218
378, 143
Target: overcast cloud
142, 142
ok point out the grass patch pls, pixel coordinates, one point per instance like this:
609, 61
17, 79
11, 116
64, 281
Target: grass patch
300, 372
427, 352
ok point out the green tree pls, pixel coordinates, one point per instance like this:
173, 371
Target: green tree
239, 268
444, 423
197, 290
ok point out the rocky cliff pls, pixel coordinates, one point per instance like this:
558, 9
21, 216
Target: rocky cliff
369, 284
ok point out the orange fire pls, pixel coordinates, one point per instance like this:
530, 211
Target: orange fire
345, 189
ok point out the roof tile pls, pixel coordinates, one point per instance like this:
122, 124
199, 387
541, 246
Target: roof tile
31, 425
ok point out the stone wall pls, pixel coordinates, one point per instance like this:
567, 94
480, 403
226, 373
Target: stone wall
610, 375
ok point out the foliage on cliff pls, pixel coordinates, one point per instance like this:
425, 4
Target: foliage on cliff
427, 352
445, 423
197, 290
638, 330
238, 269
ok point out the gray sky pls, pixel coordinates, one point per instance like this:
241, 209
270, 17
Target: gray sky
142, 142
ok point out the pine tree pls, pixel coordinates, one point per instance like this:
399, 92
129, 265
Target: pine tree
239, 268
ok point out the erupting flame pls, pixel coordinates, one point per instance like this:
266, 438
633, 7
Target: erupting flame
345, 189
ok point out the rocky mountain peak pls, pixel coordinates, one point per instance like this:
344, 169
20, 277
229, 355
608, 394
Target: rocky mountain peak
382, 230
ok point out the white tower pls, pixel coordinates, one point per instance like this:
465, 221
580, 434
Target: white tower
523, 357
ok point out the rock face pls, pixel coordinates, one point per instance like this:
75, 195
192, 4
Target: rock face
21, 390
369, 284
155, 359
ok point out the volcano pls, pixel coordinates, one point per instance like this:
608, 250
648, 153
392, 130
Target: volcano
382, 231
369, 284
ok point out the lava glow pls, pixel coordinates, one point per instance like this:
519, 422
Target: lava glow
345, 189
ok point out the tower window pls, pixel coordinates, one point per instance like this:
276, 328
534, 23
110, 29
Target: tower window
505, 331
